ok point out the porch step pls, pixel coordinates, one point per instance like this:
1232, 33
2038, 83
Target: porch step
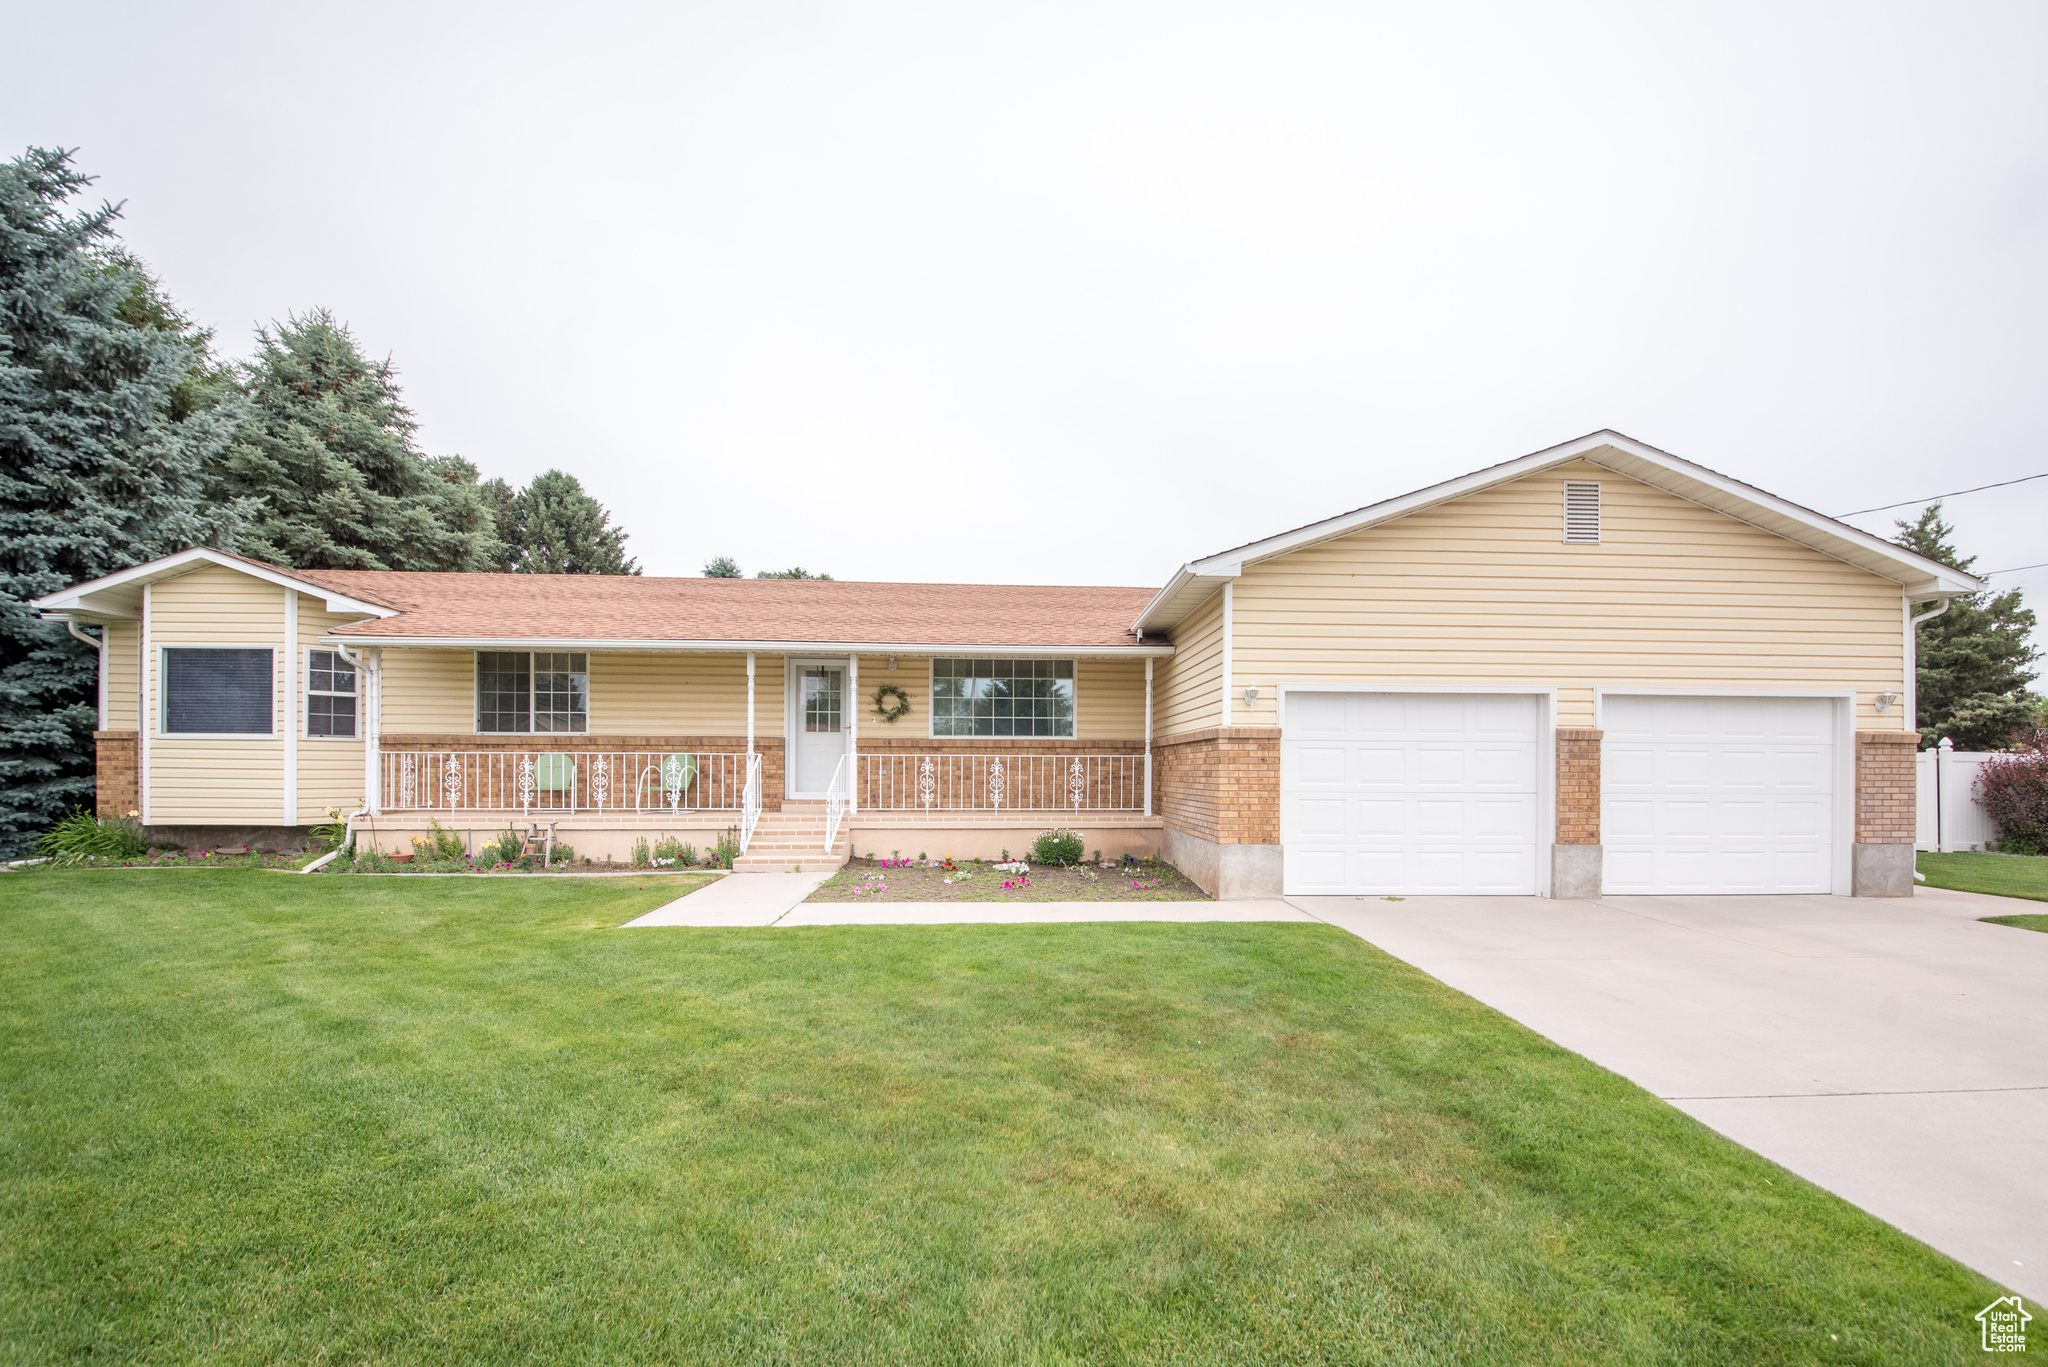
814, 859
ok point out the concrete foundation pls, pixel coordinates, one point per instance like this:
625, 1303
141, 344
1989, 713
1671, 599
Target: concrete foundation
1881, 870
1575, 871
1225, 872
267, 839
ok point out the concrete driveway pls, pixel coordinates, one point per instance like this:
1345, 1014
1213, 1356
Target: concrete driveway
1894, 1052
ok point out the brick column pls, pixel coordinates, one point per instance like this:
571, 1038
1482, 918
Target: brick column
116, 793
1219, 792
1575, 857
1881, 863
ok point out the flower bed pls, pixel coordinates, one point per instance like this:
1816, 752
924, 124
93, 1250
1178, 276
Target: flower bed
968, 880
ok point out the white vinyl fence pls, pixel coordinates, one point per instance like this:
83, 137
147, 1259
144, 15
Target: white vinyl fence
1947, 814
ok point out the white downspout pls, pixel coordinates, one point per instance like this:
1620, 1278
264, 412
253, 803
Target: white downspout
1913, 660
1148, 734
1223, 718
348, 835
368, 689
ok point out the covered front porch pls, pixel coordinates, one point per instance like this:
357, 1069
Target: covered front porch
830, 762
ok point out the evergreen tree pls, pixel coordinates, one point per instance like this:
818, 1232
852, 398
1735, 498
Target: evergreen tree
562, 530
1974, 658
798, 572
499, 498
722, 567
100, 468
328, 447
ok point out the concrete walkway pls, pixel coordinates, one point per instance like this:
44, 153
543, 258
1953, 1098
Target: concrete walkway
1894, 1052
738, 899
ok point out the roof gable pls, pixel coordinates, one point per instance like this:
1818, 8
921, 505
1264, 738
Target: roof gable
119, 595
1918, 576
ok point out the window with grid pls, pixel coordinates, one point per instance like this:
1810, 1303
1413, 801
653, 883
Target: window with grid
330, 694
532, 691
824, 698
1002, 697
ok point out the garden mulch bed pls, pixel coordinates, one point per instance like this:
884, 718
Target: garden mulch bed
887, 880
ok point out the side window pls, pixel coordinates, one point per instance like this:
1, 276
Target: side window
330, 695
216, 691
520, 692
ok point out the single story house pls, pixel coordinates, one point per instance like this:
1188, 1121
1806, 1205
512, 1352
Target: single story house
1597, 667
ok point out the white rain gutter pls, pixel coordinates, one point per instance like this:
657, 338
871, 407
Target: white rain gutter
367, 678
1913, 659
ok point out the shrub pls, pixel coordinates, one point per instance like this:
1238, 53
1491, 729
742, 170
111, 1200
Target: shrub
641, 858
561, 854
446, 844
2012, 788
83, 836
726, 850
508, 847
1057, 846
669, 850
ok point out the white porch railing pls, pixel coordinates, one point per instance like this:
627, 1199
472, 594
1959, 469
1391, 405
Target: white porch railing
836, 795
750, 803
966, 782
618, 783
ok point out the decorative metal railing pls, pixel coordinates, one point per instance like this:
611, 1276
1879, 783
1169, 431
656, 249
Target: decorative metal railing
967, 782
750, 803
836, 800
626, 784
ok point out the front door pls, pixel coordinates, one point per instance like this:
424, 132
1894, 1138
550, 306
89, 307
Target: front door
818, 711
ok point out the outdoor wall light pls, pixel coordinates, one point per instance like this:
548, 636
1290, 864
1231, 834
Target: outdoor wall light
1251, 696
1884, 701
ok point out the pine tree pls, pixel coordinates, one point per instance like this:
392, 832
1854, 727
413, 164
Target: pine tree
722, 567
328, 446
1974, 658
560, 529
100, 468
798, 572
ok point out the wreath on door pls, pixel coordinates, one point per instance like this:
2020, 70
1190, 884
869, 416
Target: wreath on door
888, 712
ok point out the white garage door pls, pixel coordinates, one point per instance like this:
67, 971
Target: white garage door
1409, 793
1717, 794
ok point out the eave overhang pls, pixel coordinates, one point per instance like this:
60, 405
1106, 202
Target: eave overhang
615, 645
118, 596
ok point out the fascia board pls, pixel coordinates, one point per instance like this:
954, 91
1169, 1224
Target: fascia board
184, 562
601, 644
90, 615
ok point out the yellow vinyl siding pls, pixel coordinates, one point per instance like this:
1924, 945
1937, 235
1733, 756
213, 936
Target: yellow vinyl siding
330, 770
1187, 687
683, 695
1485, 590
237, 780
1109, 699
433, 692
122, 661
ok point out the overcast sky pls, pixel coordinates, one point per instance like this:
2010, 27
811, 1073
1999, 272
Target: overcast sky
1078, 293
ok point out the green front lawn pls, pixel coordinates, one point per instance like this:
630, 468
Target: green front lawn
2003, 875
251, 1118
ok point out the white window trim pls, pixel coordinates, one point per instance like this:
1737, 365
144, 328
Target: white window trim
306, 696
589, 692
163, 694
931, 696
1843, 824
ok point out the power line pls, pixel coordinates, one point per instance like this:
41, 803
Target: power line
1954, 494
2014, 570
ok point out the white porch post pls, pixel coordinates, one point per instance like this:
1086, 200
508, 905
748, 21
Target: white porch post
853, 730
1148, 735
291, 707
145, 705
750, 702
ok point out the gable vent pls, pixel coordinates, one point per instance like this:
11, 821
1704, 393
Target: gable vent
1581, 511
